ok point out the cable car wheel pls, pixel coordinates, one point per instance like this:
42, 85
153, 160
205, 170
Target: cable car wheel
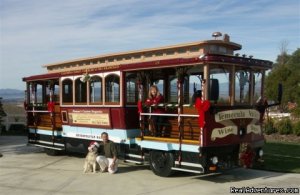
161, 163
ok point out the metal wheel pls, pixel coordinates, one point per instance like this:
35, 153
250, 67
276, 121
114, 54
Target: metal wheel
161, 163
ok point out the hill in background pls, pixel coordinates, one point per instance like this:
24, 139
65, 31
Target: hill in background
12, 95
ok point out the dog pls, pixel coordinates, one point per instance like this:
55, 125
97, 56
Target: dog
90, 163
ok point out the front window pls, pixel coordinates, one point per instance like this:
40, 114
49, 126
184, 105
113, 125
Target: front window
222, 74
242, 86
195, 90
257, 85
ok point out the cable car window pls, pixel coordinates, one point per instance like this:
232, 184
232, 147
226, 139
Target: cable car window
173, 90
222, 75
112, 89
39, 93
195, 88
131, 88
80, 91
257, 85
56, 92
242, 86
96, 89
67, 91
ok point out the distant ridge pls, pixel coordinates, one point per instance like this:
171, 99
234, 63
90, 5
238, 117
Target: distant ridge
11, 95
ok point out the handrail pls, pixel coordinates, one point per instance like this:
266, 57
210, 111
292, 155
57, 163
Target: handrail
37, 111
171, 105
175, 115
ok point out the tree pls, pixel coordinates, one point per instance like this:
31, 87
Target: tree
283, 56
2, 113
286, 70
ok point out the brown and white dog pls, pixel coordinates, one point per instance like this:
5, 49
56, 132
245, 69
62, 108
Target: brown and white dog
90, 159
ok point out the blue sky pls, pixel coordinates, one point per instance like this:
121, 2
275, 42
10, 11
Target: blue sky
38, 32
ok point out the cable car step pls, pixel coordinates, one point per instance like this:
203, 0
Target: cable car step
186, 170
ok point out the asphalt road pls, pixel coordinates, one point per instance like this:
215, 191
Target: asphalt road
28, 170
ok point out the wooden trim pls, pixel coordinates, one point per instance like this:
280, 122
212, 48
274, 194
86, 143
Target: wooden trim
66, 103
43, 128
96, 103
112, 103
170, 140
81, 103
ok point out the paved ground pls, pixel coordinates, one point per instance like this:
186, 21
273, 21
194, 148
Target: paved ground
28, 170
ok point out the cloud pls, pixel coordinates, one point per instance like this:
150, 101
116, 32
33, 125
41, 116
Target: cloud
37, 32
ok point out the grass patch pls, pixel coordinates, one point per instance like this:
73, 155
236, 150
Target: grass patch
282, 157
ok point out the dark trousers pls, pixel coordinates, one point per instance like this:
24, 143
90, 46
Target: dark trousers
157, 125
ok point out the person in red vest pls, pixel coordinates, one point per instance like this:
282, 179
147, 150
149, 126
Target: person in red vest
155, 98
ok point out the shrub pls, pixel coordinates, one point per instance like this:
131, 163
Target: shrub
296, 112
284, 126
269, 127
296, 128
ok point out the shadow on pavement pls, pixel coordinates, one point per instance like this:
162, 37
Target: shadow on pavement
238, 174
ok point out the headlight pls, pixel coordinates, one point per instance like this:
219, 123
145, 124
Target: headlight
214, 160
260, 152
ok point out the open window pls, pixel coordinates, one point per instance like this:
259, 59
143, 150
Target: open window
40, 93
195, 87
131, 88
173, 89
52, 87
56, 90
160, 83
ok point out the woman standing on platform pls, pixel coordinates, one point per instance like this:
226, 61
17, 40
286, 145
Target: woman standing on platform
155, 98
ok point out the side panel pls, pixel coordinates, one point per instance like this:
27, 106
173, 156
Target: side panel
46, 138
232, 127
100, 117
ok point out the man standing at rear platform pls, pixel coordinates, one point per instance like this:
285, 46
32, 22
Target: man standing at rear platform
108, 161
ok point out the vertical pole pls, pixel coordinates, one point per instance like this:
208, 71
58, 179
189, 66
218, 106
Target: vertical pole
232, 86
262, 84
140, 99
251, 88
51, 93
180, 77
140, 108
52, 107
33, 100
203, 93
205, 85
206, 77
